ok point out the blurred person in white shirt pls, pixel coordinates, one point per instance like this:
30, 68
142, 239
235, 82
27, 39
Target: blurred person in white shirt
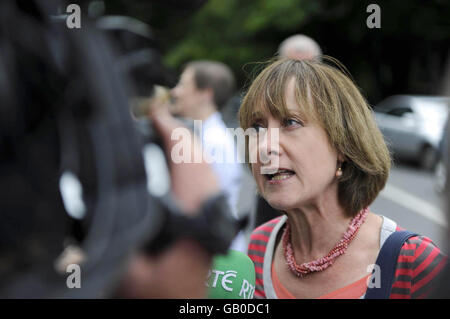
203, 90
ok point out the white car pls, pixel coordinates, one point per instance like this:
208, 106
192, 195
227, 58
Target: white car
413, 126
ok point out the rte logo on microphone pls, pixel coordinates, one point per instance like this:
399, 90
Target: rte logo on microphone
232, 277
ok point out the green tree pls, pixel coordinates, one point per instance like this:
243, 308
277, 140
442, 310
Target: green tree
406, 55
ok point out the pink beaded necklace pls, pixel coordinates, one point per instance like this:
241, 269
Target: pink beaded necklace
324, 262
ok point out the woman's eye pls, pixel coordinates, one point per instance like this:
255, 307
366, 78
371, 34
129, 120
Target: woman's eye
257, 126
292, 122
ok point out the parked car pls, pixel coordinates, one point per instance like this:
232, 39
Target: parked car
413, 126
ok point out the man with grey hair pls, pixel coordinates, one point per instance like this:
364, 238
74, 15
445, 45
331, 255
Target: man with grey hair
300, 47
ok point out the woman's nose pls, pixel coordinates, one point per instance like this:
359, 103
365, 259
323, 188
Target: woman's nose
269, 146
270, 138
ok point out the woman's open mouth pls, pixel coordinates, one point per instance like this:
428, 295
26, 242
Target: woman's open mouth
279, 176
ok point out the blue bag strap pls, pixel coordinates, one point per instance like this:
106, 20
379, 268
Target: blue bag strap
387, 261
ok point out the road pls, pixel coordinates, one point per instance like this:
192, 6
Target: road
409, 198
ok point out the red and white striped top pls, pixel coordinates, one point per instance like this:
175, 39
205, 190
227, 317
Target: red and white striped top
418, 264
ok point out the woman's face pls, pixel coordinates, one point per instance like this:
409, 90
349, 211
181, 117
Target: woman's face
306, 161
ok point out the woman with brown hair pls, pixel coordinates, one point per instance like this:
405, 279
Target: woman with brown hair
332, 162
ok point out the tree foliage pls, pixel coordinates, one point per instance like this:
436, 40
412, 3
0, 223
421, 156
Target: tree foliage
406, 55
